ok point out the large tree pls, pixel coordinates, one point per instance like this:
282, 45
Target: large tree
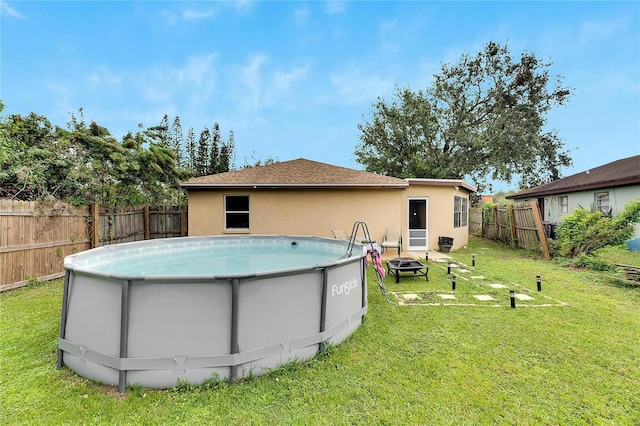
85, 163
483, 118
36, 163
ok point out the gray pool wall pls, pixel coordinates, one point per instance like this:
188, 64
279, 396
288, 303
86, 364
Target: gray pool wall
158, 331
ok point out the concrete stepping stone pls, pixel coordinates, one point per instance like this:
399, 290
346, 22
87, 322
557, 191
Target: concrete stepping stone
411, 296
447, 296
477, 277
521, 296
497, 286
483, 297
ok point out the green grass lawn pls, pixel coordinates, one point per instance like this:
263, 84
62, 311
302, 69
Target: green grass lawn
467, 363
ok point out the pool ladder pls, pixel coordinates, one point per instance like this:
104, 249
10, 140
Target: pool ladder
354, 234
367, 240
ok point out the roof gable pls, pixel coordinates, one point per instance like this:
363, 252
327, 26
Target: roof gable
618, 173
300, 173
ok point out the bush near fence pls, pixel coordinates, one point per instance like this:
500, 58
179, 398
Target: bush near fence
475, 221
35, 237
518, 224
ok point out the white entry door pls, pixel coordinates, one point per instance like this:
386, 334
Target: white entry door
418, 232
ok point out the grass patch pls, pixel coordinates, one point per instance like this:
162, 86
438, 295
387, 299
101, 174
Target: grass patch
414, 364
619, 254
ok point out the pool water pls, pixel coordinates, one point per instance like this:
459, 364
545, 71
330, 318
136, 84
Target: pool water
213, 257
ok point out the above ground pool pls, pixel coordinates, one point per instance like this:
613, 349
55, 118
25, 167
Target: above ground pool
159, 312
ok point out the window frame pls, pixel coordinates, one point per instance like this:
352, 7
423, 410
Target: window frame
563, 202
460, 212
228, 212
598, 196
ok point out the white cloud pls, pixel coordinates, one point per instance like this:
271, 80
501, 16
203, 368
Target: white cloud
198, 69
281, 87
335, 6
302, 15
252, 79
355, 87
387, 36
244, 5
103, 76
187, 15
7, 10
597, 31
257, 88
196, 15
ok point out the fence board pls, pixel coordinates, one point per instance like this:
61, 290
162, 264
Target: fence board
520, 224
35, 238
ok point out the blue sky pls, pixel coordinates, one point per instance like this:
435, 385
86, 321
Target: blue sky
294, 79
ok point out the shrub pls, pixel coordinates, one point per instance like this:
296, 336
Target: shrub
593, 263
584, 231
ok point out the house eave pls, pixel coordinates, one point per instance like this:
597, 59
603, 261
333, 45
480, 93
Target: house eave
577, 188
197, 186
442, 182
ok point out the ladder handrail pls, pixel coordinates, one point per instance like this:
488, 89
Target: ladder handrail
354, 232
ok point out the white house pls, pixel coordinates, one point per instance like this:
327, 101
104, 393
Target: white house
608, 188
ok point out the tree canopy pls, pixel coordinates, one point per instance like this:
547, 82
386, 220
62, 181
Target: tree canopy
483, 118
85, 164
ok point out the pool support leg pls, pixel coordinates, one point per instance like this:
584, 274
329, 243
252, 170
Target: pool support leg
235, 295
323, 307
363, 271
124, 333
63, 317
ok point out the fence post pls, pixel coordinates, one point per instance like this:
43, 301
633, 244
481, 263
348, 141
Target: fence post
544, 243
95, 229
183, 221
147, 232
512, 224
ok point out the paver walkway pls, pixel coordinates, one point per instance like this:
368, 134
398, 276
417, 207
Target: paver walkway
471, 289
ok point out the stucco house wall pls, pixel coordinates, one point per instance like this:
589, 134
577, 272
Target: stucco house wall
440, 211
298, 212
302, 197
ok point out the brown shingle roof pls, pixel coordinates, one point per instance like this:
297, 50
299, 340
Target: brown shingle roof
300, 173
618, 173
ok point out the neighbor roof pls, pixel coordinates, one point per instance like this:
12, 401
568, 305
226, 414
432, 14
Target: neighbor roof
300, 173
618, 173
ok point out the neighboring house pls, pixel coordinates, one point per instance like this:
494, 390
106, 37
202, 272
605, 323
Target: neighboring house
303, 197
607, 188
484, 199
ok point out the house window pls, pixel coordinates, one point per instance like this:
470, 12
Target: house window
236, 211
459, 212
602, 202
564, 204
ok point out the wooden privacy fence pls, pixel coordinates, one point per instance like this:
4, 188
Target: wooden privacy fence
519, 224
35, 237
138, 223
495, 224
